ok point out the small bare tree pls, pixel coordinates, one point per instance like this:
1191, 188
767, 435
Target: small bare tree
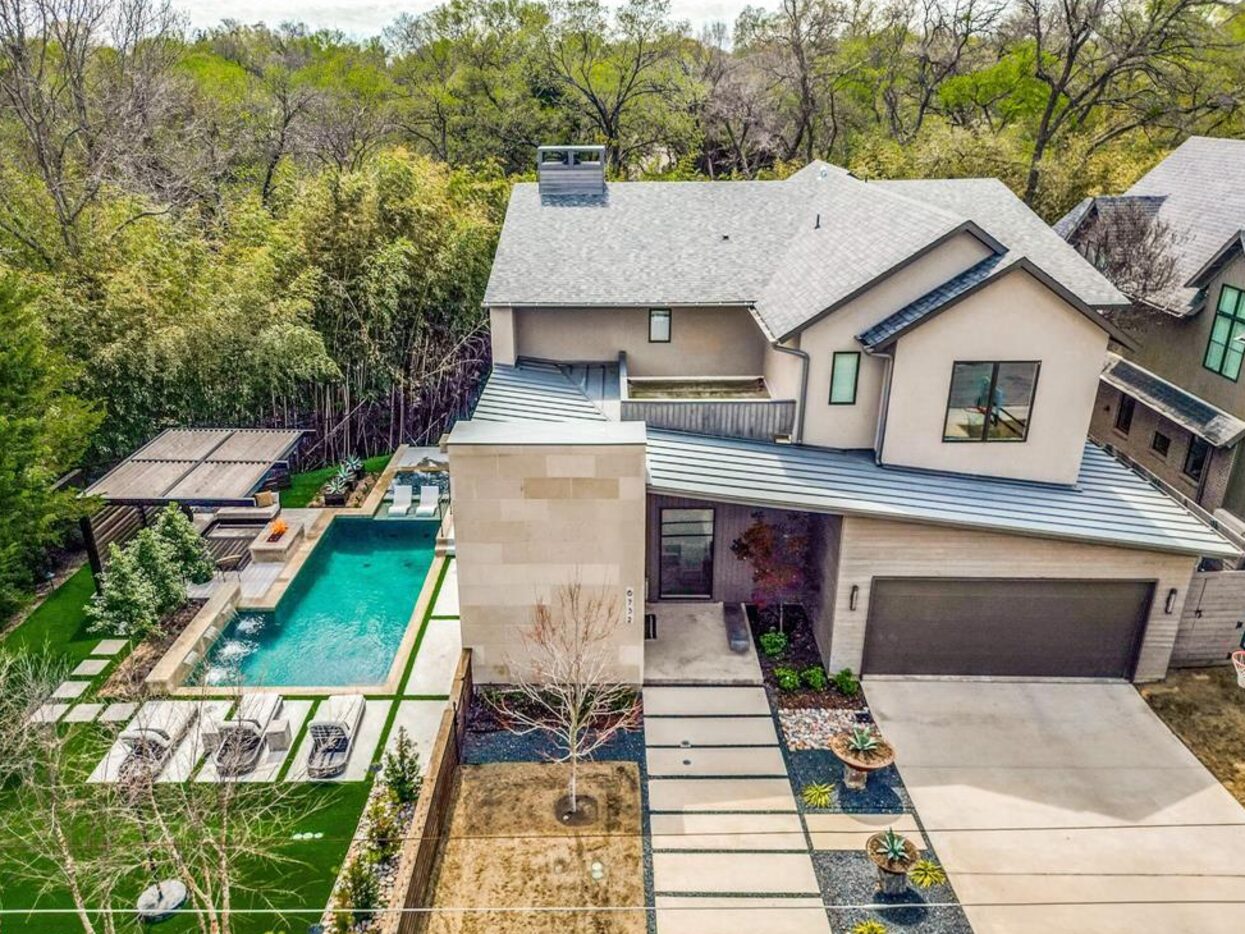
1133, 248
563, 686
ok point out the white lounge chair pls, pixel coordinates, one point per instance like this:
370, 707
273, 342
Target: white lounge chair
332, 734
429, 500
245, 736
401, 500
154, 733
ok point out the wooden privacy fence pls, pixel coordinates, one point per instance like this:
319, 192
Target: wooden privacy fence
417, 864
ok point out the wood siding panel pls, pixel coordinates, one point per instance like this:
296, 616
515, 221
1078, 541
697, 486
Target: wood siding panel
1213, 620
761, 419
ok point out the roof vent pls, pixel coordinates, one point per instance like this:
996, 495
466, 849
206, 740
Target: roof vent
570, 170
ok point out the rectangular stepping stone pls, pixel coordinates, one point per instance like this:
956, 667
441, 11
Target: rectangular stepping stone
48, 713
677, 914
720, 794
710, 731
375, 713
447, 597
421, 719
70, 690
117, 712
185, 759
83, 713
735, 873
437, 659
727, 832
707, 761
90, 667
852, 831
705, 701
108, 647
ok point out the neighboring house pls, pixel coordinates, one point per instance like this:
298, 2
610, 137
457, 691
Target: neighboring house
907, 369
1174, 404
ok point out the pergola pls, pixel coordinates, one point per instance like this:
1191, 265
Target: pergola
212, 467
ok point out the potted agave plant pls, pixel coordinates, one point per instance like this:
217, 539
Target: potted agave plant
352, 466
894, 855
861, 751
336, 490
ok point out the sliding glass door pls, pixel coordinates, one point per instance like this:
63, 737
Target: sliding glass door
686, 553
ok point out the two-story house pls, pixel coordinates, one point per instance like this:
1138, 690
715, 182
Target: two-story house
1174, 403
907, 368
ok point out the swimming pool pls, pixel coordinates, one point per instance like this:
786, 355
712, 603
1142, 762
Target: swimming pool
343, 617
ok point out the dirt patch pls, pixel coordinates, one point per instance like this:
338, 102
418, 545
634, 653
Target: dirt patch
128, 677
506, 848
1206, 709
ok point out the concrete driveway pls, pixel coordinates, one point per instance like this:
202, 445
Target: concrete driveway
1066, 807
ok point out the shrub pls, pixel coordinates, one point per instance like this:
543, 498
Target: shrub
814, 677
383, 833
360, 888
190, 552
338, 485
401, 773
847, 683
155, 561
773, 643
818, 795
926, 873
126, 603
870, 926
788, 679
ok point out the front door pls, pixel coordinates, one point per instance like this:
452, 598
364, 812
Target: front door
686, 554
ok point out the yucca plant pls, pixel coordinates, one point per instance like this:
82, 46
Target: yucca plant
926, 873
352, 465
871, 926
862, 740
892, 846
337, 485
818, 795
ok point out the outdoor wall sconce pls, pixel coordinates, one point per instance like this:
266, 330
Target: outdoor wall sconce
1171, 602
851, 599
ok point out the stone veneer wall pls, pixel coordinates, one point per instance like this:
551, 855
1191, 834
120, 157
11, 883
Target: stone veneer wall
537, 507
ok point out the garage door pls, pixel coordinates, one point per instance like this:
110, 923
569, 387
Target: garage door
921, 626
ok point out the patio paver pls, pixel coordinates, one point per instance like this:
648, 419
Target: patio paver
83, 713
727, 832
678, 914
375, 713
447, 598
734, 873
710, 731
852, 831
705, 701
70, 690
437, 659
421, 719
108, 647
185, 758
716, 761
49, 713
118, 711
720, 794
89, 667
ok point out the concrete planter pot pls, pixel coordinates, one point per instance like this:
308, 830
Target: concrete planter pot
857, 765
892, 874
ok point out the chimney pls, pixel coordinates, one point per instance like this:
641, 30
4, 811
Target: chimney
570, 170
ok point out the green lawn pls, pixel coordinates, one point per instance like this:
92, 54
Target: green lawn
59, 624
304, 486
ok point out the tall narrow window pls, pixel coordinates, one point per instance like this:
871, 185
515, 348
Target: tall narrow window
1226, 347
686, 553
844, 375
1195, 458
1160, 444
1124, 414
990, 401
659, 325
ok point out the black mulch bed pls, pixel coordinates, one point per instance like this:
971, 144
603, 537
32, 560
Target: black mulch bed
884, 793
801, 652
850, 878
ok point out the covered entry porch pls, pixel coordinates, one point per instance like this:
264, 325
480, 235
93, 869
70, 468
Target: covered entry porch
690, 643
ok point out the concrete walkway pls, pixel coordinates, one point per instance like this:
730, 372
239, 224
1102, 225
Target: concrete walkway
729, 849
691, 648
1060, 807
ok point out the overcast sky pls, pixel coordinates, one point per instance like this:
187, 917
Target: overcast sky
360, 18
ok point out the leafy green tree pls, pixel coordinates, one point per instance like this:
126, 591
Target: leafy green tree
126, 604
189, 551
156, 562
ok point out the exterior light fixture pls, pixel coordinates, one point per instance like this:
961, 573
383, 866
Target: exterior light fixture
851, 599
1170, 605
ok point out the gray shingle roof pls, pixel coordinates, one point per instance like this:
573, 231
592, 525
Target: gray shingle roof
1184, 408
1110, 505
929, 303
1202, 186
792, 248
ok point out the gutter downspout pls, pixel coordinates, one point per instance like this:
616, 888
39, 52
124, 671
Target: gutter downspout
799, 403
879, 438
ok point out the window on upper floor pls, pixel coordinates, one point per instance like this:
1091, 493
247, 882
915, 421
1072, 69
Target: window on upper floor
1195, 458
844, 375
1124, 414
990, 401
659, 325
1226, 347
1160, 444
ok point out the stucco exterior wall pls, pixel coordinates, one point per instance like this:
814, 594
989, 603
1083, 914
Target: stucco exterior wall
501, 333
703, 341
855, 426
1015, 318
531, 516
1175, 347
872, 547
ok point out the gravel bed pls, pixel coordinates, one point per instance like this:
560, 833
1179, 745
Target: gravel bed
812, 728
848, 878
883, 794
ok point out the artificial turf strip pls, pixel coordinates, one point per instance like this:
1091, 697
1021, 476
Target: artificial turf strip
304, 486
58, 626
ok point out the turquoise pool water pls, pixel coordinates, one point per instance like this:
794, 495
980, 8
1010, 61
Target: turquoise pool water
343, 617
